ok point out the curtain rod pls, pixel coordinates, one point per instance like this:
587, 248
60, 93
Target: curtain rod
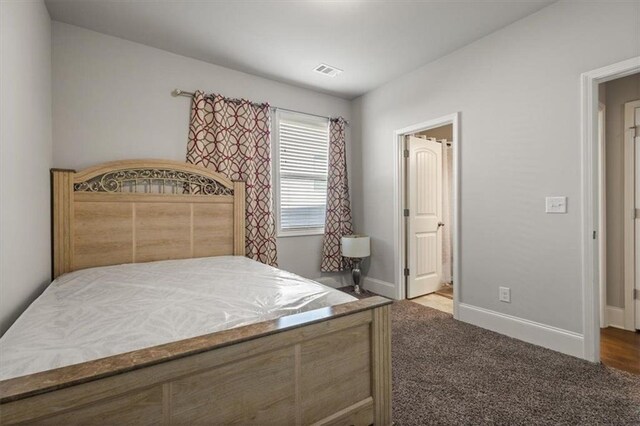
178, 92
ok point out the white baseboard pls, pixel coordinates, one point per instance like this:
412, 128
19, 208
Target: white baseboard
557, 339
380, 287
615, 317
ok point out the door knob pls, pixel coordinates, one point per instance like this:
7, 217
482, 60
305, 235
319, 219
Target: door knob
440, 224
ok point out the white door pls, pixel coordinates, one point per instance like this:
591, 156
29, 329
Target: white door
424, 194
636, 147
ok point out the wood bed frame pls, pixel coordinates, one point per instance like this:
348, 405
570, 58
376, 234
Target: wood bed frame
327, 366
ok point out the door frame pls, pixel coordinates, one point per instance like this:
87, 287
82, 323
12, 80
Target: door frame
602, 218
399, 202
629, 219
591, 206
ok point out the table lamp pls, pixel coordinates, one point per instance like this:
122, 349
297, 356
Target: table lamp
356, 248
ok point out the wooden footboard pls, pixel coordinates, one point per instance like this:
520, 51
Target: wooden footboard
329, 366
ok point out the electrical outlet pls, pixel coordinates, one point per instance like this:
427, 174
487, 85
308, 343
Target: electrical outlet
504, 294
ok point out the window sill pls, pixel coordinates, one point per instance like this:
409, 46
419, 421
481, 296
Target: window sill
299, 233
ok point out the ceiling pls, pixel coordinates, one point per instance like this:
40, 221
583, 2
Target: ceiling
372, 41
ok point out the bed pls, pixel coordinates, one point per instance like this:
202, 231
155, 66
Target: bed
156, 316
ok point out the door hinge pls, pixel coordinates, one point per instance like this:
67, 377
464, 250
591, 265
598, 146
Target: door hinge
406, 213
594, 235
406, 272
406, 153
636, 294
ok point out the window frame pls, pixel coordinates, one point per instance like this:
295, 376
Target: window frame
275, 174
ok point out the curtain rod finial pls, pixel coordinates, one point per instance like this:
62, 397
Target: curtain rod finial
176, 92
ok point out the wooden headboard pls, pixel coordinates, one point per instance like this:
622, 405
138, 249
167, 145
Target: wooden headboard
143, 210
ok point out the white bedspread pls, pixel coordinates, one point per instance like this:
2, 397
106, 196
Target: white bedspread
98, 312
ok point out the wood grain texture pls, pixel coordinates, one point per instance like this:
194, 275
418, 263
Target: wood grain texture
256, 390
163, 231
328, 366
108, 228
62, 220
358, 414
102, 197
143, 407
304, 325
344, 360
381, 371
102, 234
620, 349
247, 382
213, 230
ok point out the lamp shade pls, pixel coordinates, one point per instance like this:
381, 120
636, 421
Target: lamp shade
356, 246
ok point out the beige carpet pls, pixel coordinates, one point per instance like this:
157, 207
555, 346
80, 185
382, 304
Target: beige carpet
446, 372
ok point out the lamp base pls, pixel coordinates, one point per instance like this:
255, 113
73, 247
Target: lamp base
355, 273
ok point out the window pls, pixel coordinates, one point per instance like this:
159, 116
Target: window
300, 173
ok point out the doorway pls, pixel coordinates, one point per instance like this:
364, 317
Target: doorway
619, 245
591, 203
426, 208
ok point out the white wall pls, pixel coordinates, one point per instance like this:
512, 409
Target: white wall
618, 92
518, 92
112, 100
25, 155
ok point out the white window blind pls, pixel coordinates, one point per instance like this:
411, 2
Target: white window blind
302, 150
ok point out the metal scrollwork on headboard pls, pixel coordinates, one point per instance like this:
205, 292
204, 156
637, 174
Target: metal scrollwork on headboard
153, 180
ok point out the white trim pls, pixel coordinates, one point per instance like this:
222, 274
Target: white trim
300, 232
629, 215
615, 317
398, 202
380, 287
590, 209
602, 182
565, 341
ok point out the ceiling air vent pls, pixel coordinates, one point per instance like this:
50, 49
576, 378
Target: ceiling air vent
327, 70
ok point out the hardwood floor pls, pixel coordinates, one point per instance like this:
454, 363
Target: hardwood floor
620, 349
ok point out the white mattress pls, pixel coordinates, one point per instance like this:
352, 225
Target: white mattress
98, 312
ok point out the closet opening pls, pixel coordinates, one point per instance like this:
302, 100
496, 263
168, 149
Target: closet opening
427, 209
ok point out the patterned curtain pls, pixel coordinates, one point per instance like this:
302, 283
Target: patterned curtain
232, 137
338, 219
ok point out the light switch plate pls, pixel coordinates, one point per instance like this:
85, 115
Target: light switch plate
556, 205
504, 294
